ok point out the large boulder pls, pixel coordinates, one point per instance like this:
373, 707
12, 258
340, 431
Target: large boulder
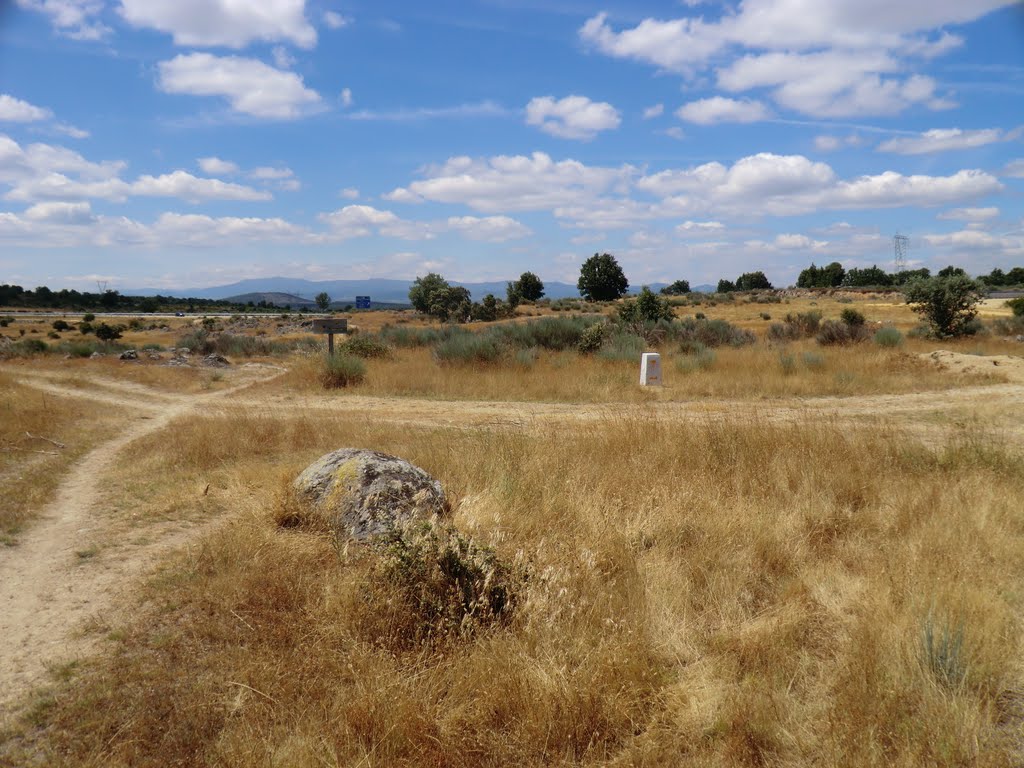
360, 494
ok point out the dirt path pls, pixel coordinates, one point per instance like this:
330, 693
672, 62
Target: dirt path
47, 589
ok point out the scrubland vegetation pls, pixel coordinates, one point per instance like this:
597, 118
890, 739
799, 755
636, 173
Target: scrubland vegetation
717, 590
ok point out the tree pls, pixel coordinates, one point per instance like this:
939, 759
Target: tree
512, 294
725, 286
530, 286
830, 276
106, 332
323, 301
486, 310
948, 303
753, 281
648, 307
451, 303
869, 277
421, 294
1015, 276
952, 271
678, 288
905, 276
602, 279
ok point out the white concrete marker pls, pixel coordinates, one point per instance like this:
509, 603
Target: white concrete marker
650, 370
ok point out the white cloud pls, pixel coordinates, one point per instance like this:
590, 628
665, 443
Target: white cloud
492, 229
574, 117
267, 172
201, 230
945, 140
72, 214
798, 242
365, 220
719, 109
826, 143
970, 214
675, 132
473, 109
513, 183
346, 97
1014, 169
14, 110
335, 20
821, 57
70, 130
282, 58
192, 189
349, 193
76, 19
249, 85
227, 23
216, 167
656, 111
692, 228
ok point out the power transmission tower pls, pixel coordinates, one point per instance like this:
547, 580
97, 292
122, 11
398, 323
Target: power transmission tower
900, 246
102, 285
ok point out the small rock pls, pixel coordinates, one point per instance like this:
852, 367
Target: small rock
215, 361
154, 356
96, 355
129, 354
361, 493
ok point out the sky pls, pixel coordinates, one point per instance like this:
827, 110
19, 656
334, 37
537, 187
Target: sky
191, 143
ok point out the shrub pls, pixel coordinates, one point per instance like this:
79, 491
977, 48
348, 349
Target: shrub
788, 363
802, 325
851, 316
622, 346
699, 358
61, 325
5, 321
948, 303
833, 333
432, 582
943, 652
468, 349
417, 337
88, 317
813, 360
888, 337
85, 327
648, 307
23, 348
198, 341
367, 347
1017, 305
341, 370
525, 358
106, 332
592, 338
765, 316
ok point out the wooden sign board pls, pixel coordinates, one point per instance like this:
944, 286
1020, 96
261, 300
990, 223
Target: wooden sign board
330, 325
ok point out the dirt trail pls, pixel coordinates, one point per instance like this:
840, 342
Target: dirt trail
46, 589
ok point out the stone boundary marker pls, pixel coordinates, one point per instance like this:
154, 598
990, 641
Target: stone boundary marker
650, 370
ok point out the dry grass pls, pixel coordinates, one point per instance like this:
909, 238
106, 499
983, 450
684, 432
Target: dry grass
718, 594
31, 468
760, 371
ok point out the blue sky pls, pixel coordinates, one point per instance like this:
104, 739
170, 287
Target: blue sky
187, 143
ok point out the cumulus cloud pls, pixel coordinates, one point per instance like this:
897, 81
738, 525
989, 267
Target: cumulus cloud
970, 214
364, 220
492, 229
574, 117
719, 109
216, 167
656, 111
223, 22
1014, 169
798, 242
193, 189
827, 143
513, 183
349, 193
14, 110
826, 58
946, 139
335, 20
72, 214
250, 86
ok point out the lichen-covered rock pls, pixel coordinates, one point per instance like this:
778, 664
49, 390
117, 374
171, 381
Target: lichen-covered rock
361, 493
129, 354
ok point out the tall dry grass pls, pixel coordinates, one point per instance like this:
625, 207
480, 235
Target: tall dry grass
716, 594
797, 369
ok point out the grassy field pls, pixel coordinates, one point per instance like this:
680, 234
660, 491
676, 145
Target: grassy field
755, 584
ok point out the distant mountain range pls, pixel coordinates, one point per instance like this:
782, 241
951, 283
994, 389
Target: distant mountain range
298, 292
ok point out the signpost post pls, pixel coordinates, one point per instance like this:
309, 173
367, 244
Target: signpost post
330, 326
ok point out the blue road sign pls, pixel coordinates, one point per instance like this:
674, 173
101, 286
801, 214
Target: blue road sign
362, 302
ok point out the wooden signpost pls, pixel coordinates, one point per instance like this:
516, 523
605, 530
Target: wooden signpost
330, 326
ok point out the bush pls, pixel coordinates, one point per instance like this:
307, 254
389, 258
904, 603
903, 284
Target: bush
833, 333
106, 332
469, 349
367, 347
592, 338
698, 358
526, 358
341, 370
61, 325
23, 348
1017, 305
802, 325
88, 317
851, 316
436, 583
648, 307
418, 337
888, 337
948, 303
622, 346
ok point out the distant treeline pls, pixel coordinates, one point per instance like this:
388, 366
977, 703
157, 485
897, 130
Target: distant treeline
112, 301
835, 276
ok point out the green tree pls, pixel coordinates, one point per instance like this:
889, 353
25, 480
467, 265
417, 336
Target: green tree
725, 286
512, 294
871, 277
451, 303
486, 310
678, 288
952, 271
648, 307
421, 294
530, 286
830, 276
1015, 276
949, 304
323, 301
106, 332
602, 279
753, 281
905, 276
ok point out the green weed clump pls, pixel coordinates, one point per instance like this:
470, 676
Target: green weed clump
340, 370
888, 337
368, 347
469, 349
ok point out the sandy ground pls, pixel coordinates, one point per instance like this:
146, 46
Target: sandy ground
47, 592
